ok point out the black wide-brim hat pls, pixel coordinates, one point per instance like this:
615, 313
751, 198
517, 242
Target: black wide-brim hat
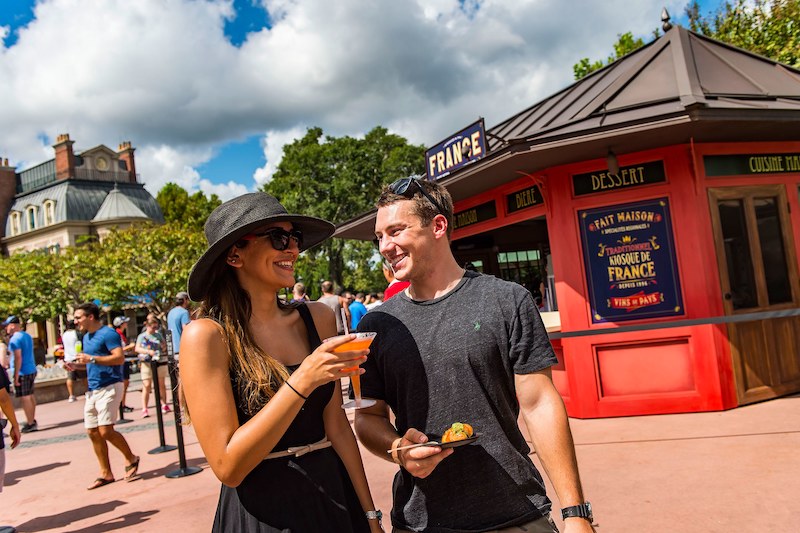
236, 218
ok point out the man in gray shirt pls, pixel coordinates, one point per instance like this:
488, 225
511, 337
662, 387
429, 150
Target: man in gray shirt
335, 302
461, 347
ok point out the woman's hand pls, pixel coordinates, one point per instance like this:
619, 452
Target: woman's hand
375, 526
326, 364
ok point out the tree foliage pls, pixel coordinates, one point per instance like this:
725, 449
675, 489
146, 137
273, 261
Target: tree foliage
181, 208
339, 178
145, 264
28, 286
625, 44
770, 28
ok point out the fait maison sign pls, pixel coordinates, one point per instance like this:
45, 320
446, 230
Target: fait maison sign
630, 261
461, 149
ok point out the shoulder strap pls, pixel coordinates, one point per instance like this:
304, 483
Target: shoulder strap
311, 328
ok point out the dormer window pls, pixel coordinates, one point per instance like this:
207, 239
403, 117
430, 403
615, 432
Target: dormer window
30, 217
16, 223
49, 207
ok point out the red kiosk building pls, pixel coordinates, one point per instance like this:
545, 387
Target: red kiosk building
657, 200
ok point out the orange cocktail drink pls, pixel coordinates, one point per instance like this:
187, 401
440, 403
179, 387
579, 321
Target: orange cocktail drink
361, 342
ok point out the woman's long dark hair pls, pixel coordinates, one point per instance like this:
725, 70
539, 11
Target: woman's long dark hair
255, 373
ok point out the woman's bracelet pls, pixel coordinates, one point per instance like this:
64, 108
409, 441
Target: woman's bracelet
295, 390
395, 453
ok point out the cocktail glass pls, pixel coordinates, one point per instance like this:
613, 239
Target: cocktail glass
361, 342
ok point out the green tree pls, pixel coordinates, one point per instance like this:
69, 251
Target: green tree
28, 286
338, 178
770, 28
179, 207
625, 44
145, 264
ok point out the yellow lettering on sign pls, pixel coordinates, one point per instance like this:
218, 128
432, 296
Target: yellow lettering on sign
632, 272
627, 177
525, 198
432, 165
466, 218
760, 164
440, 162
476, 144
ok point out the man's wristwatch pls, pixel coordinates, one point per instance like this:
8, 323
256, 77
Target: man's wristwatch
583, 510
374, 515
93, 360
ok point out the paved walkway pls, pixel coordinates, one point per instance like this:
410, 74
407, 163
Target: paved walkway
733, 471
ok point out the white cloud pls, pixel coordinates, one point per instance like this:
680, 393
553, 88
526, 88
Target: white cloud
273, 144
162, 74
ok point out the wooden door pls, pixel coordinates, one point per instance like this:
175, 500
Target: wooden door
758, 272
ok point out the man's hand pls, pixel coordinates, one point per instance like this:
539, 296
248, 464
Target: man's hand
421, 461
83, 358
15, 435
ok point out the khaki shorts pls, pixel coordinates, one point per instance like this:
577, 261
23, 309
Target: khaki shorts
102, 406
148, 374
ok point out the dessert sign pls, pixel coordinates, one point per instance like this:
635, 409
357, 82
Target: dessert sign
630, 261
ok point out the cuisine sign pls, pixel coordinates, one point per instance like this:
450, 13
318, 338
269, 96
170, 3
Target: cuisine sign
630, 261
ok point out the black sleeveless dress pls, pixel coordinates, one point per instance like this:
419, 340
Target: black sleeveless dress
294, 494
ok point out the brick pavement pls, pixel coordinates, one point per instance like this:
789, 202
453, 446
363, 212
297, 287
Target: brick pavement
706, 472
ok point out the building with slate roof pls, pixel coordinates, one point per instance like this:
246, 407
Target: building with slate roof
55, 203
658, 200
72, 195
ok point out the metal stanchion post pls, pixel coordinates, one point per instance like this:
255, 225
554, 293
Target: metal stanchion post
172, 367
164, 447
122, 419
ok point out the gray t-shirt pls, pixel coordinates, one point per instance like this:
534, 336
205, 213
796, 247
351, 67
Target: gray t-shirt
453, 359
333, 302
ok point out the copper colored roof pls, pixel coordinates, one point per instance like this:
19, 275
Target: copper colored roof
681, 87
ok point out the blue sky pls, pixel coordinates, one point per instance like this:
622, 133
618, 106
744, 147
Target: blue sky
209, 91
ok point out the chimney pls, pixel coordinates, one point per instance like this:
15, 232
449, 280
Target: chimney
8, 189
65, 159
125, 152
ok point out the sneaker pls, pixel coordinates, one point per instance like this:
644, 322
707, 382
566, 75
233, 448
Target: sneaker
165, 408
145, 413
28, 428
71, 399
127, 409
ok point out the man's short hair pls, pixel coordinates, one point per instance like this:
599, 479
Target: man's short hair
89, 308
181, 297
423, 207
327, 286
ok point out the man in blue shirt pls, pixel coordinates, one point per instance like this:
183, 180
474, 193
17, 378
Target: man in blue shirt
177, 318
357, 311
102, 355
20, 346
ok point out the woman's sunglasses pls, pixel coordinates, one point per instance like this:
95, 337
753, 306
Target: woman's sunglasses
278, 237
403, 188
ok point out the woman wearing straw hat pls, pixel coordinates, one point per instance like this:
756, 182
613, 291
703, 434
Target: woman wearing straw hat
266, 413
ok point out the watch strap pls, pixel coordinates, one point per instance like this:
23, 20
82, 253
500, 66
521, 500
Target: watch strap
583, 510
374, 515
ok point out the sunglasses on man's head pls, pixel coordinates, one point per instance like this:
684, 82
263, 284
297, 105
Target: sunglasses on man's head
403, 188
279, 237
